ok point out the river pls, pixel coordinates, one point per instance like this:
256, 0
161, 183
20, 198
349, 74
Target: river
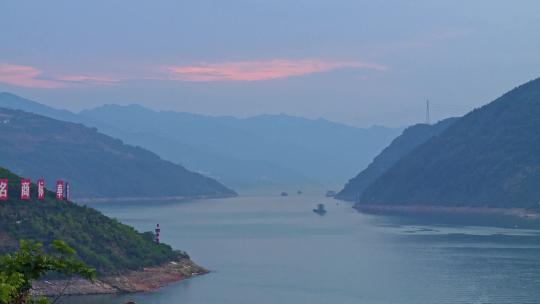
276, 250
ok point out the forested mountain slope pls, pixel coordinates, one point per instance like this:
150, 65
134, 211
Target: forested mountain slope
95, 164
489, 157
411, 138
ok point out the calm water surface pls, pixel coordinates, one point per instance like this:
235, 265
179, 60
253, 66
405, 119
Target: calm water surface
276, 250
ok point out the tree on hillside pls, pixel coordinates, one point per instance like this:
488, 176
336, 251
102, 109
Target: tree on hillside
31, 262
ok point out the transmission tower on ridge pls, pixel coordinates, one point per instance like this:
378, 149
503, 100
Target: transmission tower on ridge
428, 114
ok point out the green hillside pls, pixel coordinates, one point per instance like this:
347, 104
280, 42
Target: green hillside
95, 164
101, 242
490, 157
411, 138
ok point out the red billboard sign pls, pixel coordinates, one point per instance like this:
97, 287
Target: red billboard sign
41, 189
60, 190
25, 189
3, 189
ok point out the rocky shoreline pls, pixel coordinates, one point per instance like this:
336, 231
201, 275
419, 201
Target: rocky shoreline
145, 280
421, 209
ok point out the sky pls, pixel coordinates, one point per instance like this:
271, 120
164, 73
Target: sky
358, 62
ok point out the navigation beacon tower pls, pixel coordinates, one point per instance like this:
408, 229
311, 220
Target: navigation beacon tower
157, 230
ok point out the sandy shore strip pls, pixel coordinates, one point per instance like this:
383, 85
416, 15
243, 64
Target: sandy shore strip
420, 209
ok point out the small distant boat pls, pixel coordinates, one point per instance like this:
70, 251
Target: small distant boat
320, 209
284, 194
330, 193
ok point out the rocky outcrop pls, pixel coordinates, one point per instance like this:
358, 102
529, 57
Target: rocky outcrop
71, 287
147, 279
153, 278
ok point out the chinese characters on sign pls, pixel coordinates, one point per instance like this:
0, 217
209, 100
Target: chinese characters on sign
25, 189
3, 189
41, 189
60, 190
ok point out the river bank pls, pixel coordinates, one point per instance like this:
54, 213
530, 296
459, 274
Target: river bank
145, 280
127, 199
427, 210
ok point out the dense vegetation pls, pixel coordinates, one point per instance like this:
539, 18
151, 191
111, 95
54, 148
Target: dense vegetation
101, 242
96, 165
489, 157
411, 138
19, 269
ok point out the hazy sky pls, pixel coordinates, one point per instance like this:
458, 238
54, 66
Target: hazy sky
358, 62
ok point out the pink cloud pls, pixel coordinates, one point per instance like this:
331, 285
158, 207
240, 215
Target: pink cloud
32, 77
28, 76
89, 79
25, 76
262, 70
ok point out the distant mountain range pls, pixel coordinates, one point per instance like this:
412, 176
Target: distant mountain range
262, 152
411, 138
488, 158
96, 165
